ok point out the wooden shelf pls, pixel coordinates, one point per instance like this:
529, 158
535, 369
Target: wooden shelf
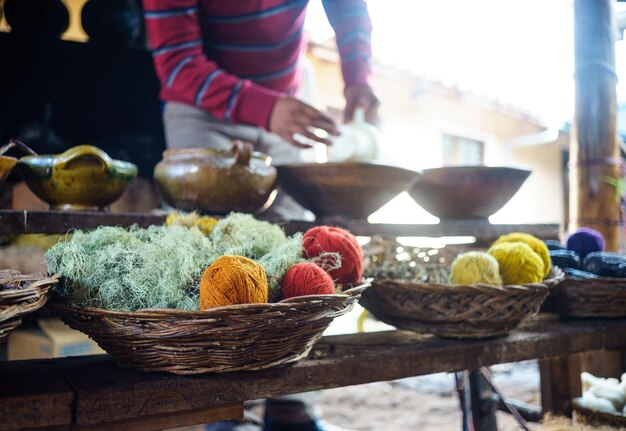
94, 393
15, 222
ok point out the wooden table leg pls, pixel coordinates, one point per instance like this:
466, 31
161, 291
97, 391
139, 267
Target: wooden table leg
484, 405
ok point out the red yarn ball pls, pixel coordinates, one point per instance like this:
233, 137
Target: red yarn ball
306, 278
327, 239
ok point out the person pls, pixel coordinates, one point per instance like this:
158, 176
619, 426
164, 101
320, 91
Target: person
231, 70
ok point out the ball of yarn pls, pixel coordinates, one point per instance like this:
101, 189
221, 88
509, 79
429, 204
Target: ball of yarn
519, 264
585, 240
326, 239
232, 280
533, 242
475, 267
306, 278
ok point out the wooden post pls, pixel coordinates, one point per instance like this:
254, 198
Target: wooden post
594, 148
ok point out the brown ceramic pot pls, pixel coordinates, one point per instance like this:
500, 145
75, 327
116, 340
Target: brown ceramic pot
216, 181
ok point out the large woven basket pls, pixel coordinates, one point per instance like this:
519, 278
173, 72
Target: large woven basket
231, 338
21, 294
453, 310
592, 297
595, 418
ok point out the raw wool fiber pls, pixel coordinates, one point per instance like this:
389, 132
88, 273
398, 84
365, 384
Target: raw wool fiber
585, 240
306, 278
320, 240
243, 235
232, 280
266, 243
519, 264
129, 269
533, 242
192, 220
475, 267
278, 261
559, 423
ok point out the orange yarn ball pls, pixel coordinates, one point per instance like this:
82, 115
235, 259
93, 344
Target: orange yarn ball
327, 239
232, 280
306, 278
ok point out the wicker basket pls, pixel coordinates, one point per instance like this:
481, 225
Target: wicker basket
231, 338
21, 294
453, 310
594, 418
591, 297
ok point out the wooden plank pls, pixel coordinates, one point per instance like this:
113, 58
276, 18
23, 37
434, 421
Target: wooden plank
107, 393
559, 377
171, 420
34, 394
482, 230
18, 222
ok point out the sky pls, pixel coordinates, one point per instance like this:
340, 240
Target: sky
518, 52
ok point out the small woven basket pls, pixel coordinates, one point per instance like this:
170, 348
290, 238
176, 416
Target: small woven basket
454, 310
231, 338
585, 416
591, 297
21, 294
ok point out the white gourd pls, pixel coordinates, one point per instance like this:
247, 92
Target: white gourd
358, 141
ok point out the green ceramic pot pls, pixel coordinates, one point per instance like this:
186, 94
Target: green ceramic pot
82, 178
216, 181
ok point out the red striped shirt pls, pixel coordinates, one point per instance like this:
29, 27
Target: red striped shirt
235, 58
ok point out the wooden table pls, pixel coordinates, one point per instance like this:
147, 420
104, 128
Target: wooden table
94, 393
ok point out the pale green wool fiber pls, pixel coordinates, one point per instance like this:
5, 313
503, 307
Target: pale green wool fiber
241, 234
130, 269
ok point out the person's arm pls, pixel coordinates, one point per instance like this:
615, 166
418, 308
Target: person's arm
353, 28
188, 76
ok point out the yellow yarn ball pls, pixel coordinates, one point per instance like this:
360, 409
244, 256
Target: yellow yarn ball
535, 243
519, 264
232, 280
475, 267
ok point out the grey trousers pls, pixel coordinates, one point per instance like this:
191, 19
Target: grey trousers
189, 127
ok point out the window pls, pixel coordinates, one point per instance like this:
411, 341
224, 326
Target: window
462, 151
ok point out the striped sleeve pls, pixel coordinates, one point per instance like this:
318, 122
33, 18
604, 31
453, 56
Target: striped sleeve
353, 28
188, 76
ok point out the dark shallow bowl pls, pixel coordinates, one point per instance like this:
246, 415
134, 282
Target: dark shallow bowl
467, 192
349, 190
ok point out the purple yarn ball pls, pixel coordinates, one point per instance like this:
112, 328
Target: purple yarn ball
585, 240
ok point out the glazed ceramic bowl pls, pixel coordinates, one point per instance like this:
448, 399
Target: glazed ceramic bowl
216, 181
82, 178
467, 192
6, 166
7, 163
348, 190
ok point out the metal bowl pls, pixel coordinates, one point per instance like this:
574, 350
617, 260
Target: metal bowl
349, 190
467, 192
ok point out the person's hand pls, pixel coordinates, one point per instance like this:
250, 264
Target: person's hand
361, 96
290, 116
